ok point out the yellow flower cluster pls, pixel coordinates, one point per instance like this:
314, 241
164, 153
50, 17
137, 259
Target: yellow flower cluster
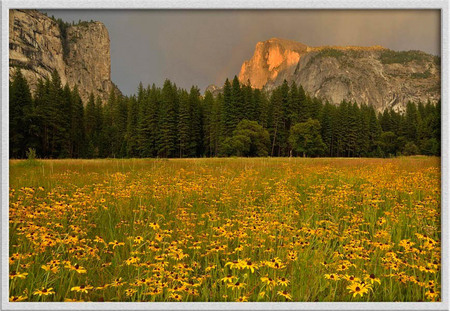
225, 230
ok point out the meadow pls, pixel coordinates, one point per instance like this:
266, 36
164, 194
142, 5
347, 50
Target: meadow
234, 229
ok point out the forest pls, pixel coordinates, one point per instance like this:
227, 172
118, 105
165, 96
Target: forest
171, 122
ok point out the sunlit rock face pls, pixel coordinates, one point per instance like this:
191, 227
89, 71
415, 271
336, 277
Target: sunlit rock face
371, 75
270, 58
36, 45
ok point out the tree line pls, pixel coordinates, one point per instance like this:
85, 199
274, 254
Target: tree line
171, 122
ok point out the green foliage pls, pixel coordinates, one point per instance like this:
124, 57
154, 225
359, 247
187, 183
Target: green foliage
330, 53
171, 122
20, 115
305, 138
249, 140
401, 57
421, 75
31, 154
410, 149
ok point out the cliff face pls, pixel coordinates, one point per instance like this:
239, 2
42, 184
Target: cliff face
371, 75
270, 58
82, 56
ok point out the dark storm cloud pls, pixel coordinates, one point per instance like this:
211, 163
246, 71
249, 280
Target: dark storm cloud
200, 47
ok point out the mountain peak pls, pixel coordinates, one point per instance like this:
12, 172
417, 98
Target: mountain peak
373, 75
272, 56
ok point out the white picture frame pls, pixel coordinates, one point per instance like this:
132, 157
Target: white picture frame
442, 5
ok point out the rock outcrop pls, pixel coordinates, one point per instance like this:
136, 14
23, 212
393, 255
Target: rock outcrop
80, 53
373, 75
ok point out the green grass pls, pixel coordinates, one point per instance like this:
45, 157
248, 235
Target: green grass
347, 217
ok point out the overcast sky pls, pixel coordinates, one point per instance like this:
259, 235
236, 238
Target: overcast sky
202, 47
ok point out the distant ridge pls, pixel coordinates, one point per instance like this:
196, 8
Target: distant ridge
373, 75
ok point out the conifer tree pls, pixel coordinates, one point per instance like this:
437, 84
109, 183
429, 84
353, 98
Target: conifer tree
77, 134
228, 111
168, 122
91, 127
184, 125
20, 110
131, 138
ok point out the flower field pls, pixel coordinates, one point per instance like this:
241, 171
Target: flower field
236, 229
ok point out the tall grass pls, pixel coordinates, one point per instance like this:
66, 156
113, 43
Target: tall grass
225, 230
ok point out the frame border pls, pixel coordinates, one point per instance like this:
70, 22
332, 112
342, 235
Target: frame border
442, 5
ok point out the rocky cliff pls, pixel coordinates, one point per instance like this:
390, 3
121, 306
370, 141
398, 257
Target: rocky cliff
80, 53
373, 75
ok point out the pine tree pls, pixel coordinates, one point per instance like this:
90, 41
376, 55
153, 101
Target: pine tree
326, 121
237, 103
77, 125
374, 131
184, 125
228, 111
216, 122
249, 109
294, 105
131, 137
20, 110
411, 122
276, 104
303, 112
148, 123
66, 143
168, 122
91, 127
196, 123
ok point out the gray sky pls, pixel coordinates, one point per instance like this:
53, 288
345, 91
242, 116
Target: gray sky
202, 47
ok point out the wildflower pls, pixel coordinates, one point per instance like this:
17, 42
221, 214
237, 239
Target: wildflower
249, 265
292, 255
115, 244
228, 279
175, 296
239, 248
242, 299
138, 239
44, 291
285, 294
133, 259
155, 291
77, 268
117, 282
17, 298
233, 264
130, 292
236, 285
99, 240
13, 275
352, 278
102, 287
332, 276
430, 284
342, 267
283, 282
431, 294
275, 263
209, 268
407, 244
371, 277
357, 288
81, 288
52, 268
269, 281
154, 226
